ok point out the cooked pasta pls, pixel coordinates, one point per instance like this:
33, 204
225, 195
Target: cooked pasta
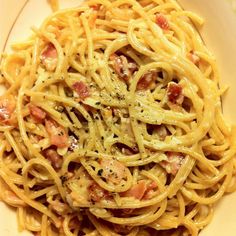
111, 123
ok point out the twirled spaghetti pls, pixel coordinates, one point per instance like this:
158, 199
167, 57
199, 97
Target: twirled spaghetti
111, 123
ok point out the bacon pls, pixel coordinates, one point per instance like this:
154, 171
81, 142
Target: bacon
81, 89
49, 57
54, 158
162, 21
146, 80
95, 7
37, 113
150, 190
57, 134
113, 170
137, 191
173, 162
96, 193
123, 68
174, 93
193, 57
7, 108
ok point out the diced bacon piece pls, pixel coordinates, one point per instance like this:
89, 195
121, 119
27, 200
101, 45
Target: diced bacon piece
96, 193
174, 93
37, 113
49, 57
162, 21
137, 191
95, 7
55, 159
150, 190
146, 80
112, 170
173, 162
81, 89
7, 108
193, 57
123, 68
57, 134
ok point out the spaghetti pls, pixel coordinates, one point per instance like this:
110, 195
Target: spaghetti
111, 123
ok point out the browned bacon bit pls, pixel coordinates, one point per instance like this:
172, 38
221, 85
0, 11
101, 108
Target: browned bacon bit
112, 170
7, 108
54, 158
95, 7
146, 80
137, 191
37, 113
193, 57
57, 134
173, 162
49, 57
150, 190
162, 21
123, 68
174, 93
96, 193
81, 89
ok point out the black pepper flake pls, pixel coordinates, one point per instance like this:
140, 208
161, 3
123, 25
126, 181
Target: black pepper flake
61, 133
100, 171
115, 136
102, 138
63, 179
92, 167
98, 103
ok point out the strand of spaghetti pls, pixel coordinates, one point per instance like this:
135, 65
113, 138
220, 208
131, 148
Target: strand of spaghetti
35, 204
49, 168
151, 215
12, 142
102, 229
191, 227
181, 176
209, 200
44, 225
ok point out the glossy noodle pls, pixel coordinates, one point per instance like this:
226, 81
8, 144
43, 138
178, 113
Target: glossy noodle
111, 123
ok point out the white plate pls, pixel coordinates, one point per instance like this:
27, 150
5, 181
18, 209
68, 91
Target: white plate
219, 33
